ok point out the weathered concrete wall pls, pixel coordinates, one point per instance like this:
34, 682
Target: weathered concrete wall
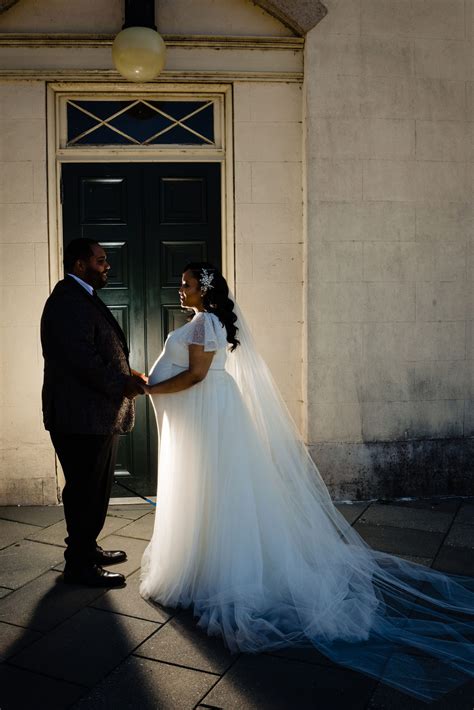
268, 226
389, 111
26, 457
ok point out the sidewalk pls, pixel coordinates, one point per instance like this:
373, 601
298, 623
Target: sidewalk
78, 647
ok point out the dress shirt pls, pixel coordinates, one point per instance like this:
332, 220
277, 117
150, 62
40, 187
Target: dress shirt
88, 287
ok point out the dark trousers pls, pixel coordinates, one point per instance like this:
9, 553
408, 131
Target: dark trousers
88, 462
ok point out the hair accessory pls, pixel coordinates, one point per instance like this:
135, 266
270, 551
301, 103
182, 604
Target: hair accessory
206, 279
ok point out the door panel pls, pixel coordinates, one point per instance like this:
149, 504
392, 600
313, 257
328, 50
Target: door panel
151, 219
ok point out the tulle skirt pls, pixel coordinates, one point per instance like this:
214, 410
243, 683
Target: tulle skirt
265, 567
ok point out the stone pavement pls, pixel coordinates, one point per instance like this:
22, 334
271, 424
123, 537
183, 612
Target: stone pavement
90, 649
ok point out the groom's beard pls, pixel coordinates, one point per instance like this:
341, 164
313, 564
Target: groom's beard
96, 279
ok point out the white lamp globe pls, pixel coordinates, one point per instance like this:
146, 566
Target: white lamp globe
139, 53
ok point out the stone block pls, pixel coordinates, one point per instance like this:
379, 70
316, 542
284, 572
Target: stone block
11, 532
443, 59
387, 97
416, 18
276, 182
336, 180
404, 516
22, 689
390, 301
390, 261
132, 546
437, 181
256, 224
45, 602
335, 138
332, 54
445, 221
25, 491
283, 102
388, 138
241, 95
387, 56
22, 100
340, 342
16, 182
60, 653
334, 421
386, 381
272, 683
438, 341
352, 511
363, 221
443, 140
343, 17
332, 382
440, 261
23, 426
22, 306
148, 685
128, 601
401, 540
244, 263
23, 223
22, 139
41, 264
440, 301
441, 100
389, 180
258, 308
25, 561
339, 261
40, 190
469, 99
388, 421
181, 643
41, 516
465, 515
13, 639
17, 264
141, 528
55, 534
460, 536
130, 511
281, 263
243, 186
334, 96
273, 142
338, 303
455, 560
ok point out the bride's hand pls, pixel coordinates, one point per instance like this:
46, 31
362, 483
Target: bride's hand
146, 388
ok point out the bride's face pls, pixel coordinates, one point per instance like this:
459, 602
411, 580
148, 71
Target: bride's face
190, 292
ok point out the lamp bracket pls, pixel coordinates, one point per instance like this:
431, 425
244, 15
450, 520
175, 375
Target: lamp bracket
139, 13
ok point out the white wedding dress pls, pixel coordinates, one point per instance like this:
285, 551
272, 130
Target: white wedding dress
246, 534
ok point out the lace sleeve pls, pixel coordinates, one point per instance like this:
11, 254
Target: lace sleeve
204, 331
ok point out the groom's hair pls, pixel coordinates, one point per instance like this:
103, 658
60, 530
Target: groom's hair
77, 249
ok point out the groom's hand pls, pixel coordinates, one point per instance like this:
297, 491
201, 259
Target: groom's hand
133, 387
141, 376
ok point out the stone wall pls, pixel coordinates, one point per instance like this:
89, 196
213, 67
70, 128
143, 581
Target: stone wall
268, 226
389, 111
26, 457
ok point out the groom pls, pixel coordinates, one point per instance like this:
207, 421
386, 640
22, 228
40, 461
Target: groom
88, 394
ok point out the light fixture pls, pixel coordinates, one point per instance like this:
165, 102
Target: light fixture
138, 51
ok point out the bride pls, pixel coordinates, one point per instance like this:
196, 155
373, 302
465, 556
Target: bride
246, 532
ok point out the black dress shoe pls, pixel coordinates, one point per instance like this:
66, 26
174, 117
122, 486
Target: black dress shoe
109, 557
94, 576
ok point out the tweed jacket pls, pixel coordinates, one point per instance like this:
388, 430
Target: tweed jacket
85, 365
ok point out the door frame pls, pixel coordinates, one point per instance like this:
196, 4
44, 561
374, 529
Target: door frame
57, 154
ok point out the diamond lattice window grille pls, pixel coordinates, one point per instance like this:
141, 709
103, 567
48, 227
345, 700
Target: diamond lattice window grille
140, 122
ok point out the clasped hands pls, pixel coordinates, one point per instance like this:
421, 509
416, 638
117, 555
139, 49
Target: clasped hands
137, 383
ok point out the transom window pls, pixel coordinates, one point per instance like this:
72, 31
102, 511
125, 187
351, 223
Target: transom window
140, 122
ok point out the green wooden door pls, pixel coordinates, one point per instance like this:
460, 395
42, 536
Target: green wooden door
151, 219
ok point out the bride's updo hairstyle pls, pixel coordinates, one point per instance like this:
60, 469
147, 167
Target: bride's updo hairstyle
216, 296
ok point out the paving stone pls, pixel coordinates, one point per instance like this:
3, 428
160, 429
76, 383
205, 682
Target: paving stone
270, 683
425, 561
23, 690
399, 540
129, 602
13, 639
455, 560
46, 602
351, 511
436, 505
406, 517
461, 536
141, 528
4, 591
86, 647
132, 512
11, 531
387, 698
182, 643
40, 515
465, 514
55, 534
132, 546
26, 560
142, 684
307, 655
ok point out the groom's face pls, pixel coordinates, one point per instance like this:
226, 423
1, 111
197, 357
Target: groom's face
94, 269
